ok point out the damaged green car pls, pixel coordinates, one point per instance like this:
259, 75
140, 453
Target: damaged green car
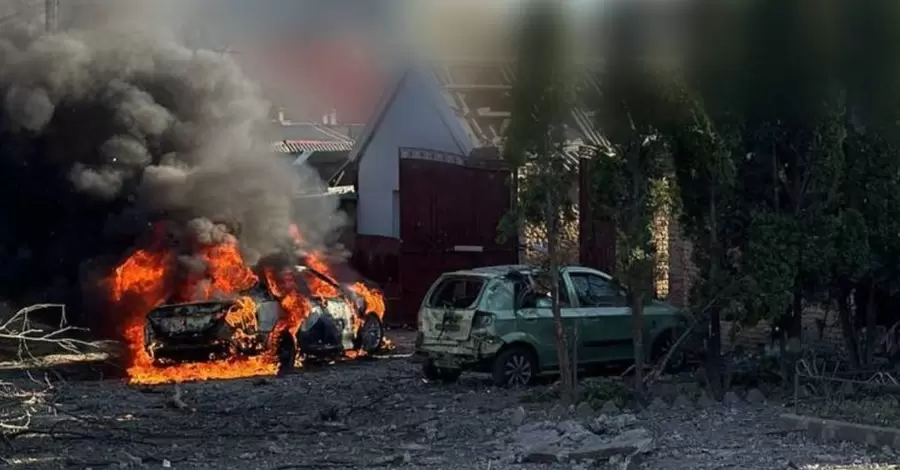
499, 320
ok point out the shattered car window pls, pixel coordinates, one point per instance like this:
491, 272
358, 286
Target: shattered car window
456, 292
539, 286
499, 295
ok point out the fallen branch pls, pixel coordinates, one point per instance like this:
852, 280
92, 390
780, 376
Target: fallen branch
16, 404
20, 329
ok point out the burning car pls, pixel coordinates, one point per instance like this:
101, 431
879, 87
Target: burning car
337, 320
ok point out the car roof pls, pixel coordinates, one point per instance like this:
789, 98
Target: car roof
503, 269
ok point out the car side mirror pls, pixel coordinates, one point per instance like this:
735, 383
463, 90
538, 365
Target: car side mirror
543, 302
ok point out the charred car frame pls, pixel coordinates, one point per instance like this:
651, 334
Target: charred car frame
205, 331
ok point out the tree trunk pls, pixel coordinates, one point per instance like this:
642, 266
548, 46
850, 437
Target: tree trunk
714, 337
847, 329
870, 325
562, 348
637, 336
796, 325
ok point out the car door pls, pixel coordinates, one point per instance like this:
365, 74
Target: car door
605, 317
535, 318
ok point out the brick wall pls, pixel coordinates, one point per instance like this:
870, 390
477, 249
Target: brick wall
752, 337
681, 265
533, 243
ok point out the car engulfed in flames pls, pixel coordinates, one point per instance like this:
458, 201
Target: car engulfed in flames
228, 320
338, 323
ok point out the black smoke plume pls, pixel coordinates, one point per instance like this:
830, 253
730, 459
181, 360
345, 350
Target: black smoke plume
107, 130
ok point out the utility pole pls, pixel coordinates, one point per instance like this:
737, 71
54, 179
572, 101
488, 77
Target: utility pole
51, 15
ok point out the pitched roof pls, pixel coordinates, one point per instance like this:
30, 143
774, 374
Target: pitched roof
411, 76
476, 106
479, 92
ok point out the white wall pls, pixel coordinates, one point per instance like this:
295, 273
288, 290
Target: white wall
413, 120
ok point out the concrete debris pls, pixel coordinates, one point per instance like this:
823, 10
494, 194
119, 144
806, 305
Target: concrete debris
682, 402
610, 408
658, 404
705, 401
518, 417
732, 400
584, 410
607, 424
569, 441
755, 397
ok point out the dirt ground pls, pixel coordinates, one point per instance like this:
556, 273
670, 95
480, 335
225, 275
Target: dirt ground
371, 414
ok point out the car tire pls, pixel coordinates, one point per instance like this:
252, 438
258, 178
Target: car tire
439, 374
286, 353
515, 366
661, 347
370, 334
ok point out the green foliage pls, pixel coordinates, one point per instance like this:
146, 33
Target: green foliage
631, 185
541, 101
771, 258
535, 145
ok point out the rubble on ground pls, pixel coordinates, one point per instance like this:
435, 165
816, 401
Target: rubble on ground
380, 414
572, 441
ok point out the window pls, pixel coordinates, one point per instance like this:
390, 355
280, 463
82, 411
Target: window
540, 287
595, 291
498, 296
456, 292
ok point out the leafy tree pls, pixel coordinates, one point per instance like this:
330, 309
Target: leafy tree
793, 135
705, 175
870, 215
534, 146
630, 185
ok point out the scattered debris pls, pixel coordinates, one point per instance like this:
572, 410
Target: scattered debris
518, 416
568, 441
755, 397
705, 401
682, 402
609, 408
657, 405
385, 414
584, 410
732, 400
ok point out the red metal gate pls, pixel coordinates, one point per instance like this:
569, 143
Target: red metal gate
450, 208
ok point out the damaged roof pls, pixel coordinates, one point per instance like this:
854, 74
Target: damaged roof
478, 90
300, 146
476, 93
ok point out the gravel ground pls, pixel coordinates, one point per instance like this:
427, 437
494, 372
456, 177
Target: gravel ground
371, 414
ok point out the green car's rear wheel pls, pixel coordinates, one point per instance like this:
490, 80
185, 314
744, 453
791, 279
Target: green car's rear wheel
515, 366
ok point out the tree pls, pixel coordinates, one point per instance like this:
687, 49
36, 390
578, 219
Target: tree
705, 175
870, 216
631, 185
535, 147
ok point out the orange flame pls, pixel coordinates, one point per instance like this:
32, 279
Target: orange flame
146, 279
140, 285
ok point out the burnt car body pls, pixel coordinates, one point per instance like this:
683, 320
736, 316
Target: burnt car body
201, 331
